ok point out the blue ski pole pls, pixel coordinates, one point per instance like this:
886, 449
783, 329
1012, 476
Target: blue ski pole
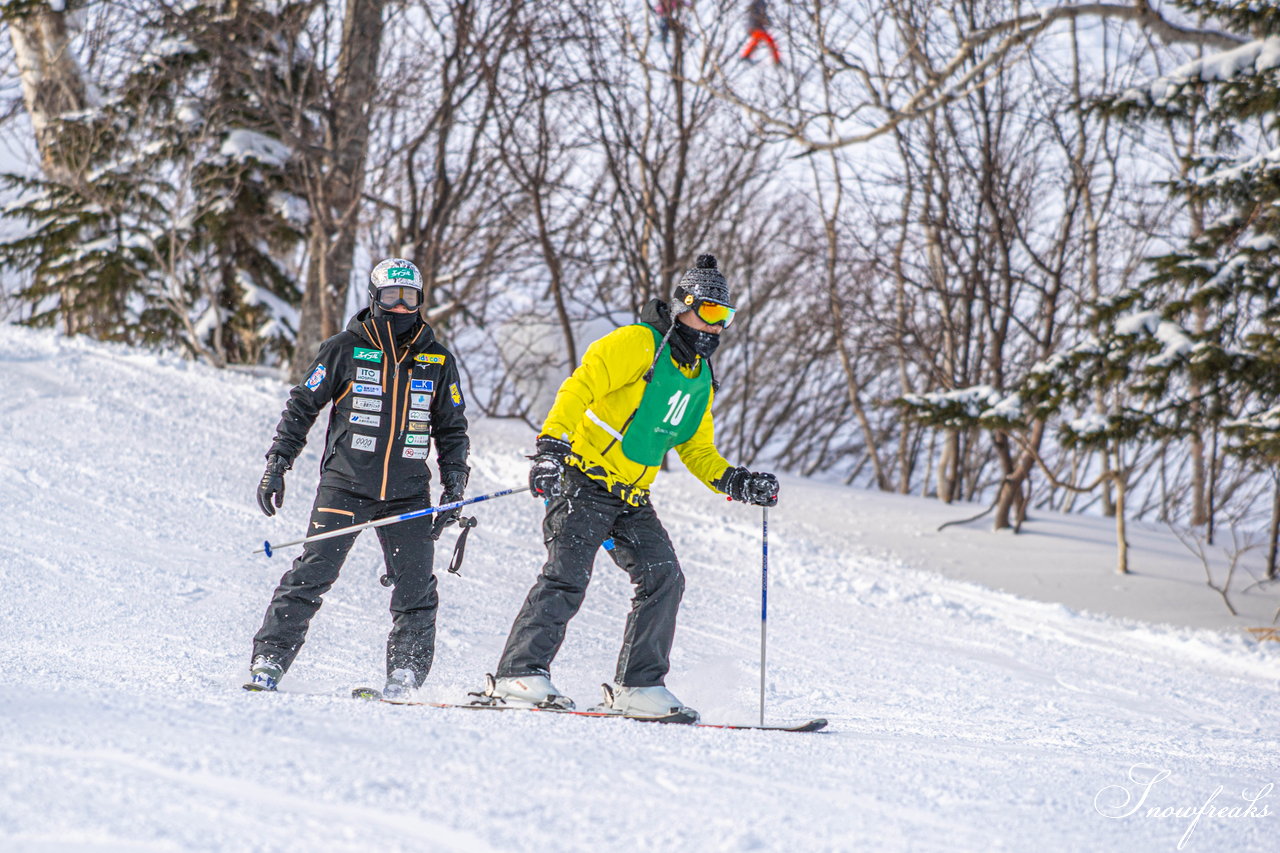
267, 548
764, 597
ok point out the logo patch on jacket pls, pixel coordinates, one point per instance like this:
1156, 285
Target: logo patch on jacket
455, 394
371, 390
367, 404
368, 374
420, 401
416, 438
416, 452
418, 426
362, 354
366, 420
367, 443
316, 377
429, 358
421, 385
419, 415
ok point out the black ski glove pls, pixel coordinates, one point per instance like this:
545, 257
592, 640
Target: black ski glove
453, 487
272, 484
751, 487
547, 473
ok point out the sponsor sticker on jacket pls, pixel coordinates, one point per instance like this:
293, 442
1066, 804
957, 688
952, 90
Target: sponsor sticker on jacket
419, 415
371, 390
316, 377
417, 452
367, 404
362, 354
422, 385
368, 374
366, 420
367, 443
455, 394
419, 426
420, 401
416, 438
429, 358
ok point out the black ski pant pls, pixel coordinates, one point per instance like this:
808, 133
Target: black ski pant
408, 550
575, 525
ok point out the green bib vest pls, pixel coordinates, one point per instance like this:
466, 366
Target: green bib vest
670, 410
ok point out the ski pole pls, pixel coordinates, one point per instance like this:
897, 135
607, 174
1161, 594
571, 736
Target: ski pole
267, 548
764, 597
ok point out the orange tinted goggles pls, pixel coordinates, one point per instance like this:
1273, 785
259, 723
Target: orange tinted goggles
714, 314
390, 297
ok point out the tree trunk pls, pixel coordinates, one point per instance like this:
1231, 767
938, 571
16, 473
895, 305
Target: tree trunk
338, 181
1274, 539
1122, 535
1011, 490
947, 466
52, 86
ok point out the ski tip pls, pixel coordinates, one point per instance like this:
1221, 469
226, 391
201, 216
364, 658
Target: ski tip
256, 688
366, 693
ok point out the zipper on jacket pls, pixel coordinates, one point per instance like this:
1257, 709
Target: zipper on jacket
386, 459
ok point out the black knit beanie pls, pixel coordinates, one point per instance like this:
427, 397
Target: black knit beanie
704, 281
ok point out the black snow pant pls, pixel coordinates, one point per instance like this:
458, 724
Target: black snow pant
408, 549
576, 524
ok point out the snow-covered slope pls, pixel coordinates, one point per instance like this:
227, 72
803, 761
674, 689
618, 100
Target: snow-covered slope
961, 718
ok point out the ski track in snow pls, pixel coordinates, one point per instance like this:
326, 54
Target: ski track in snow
961, 718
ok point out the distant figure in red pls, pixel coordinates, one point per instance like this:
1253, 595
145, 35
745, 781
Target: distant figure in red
758, 26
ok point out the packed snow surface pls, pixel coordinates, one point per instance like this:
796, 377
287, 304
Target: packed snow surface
962, 718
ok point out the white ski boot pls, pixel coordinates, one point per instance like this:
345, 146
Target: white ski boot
264, 674
523, 691
655, 701
400, 685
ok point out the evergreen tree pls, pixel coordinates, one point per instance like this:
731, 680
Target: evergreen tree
1193, 348
1221, 288
181, 224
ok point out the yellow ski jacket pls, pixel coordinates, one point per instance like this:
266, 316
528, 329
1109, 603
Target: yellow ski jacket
595, 402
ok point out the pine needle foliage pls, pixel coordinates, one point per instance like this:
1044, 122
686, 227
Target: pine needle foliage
179, 227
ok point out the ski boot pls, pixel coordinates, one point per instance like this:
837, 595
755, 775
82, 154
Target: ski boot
523, 691
645, 702
264, 674
400, 684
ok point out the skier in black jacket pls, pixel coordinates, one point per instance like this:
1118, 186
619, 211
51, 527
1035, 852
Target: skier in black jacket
394, 390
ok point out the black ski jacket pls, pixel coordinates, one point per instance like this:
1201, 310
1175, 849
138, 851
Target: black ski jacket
391, 398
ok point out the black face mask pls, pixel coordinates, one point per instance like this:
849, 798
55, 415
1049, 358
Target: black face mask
702, 343
398, 323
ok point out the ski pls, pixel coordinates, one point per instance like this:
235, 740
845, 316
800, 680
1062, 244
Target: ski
370, 693
815, 725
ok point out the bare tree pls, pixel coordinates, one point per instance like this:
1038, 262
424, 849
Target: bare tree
335, 177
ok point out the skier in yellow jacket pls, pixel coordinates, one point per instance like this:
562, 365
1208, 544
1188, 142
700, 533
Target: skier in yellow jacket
640, 391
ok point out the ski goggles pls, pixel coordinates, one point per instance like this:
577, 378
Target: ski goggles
398, 294
713, 313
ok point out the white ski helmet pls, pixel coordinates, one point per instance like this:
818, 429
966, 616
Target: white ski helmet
395, 281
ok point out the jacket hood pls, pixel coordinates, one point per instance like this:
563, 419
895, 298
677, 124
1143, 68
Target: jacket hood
657, 314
